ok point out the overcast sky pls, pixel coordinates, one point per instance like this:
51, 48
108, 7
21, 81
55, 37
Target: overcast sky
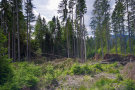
48, 9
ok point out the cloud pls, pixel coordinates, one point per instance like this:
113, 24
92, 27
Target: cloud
35, 13
48, 9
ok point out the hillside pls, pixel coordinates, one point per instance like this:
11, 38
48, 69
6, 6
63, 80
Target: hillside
68, 74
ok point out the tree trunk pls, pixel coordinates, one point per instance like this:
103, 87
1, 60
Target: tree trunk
124, 38
101, 38
67, 41
18, 31
129, 32
13, 37
120, 37
29, 41
107, 38
27, 34
116, 43
9, 45
73, 33
85, 53
77, 37
102, 47
1, 20
81, 36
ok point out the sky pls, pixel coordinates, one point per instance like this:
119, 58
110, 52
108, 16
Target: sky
48, 9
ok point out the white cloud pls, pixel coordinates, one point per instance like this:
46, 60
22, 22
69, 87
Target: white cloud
35, 12
48, 9
53, 5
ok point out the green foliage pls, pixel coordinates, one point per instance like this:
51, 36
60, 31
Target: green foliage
111, 68
85, 69
76, 69
98, 66
113, 84
49, 77
90, 47
6, 72
119, 78
34, 45
25, 75
103, 84
3, 39
128, 85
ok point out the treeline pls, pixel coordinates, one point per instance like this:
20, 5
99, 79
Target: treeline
63, 36
16, 17
113, 31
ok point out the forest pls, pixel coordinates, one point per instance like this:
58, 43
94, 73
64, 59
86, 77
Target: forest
63, 53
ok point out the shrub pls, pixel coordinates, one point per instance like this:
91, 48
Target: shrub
111, 68
31, 80
50, 70
119, 78
98, 66
103, 84
127, 85
115, 65
76, 69
86, 70
49, 79
25, 75
6, 72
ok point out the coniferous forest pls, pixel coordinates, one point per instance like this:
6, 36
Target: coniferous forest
64, 53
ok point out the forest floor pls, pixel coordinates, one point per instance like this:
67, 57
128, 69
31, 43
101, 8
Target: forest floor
91, 75
69, 74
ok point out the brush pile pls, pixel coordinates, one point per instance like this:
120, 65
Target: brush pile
109, 58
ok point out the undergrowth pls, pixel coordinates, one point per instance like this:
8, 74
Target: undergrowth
25, 75
48, 75
83, 69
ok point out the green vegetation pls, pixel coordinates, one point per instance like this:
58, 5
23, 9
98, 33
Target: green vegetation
59, 54
110, 84
55, 74
103, 84
79, 69
6, 72
24, 75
